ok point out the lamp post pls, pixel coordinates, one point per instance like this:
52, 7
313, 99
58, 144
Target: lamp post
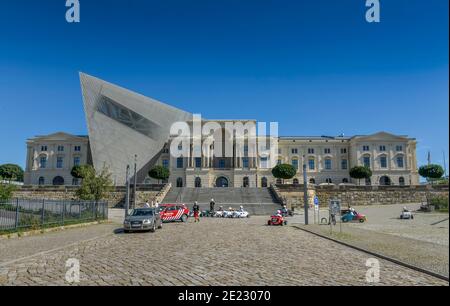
127, 196
135, 181
305, 191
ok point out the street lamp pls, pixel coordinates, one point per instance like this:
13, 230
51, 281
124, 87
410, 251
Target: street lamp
135, 181
305, 191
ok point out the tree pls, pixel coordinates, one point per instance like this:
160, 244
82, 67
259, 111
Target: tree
159, 173
431, 172
11, 172
81, 171
360, 172
95, 185
284, 171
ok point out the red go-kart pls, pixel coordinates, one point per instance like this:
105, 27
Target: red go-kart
277, 220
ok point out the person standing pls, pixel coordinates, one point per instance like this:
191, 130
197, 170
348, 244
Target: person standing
196, 210
211, 206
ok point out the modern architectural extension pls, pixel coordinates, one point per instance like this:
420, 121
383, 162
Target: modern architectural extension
123, 124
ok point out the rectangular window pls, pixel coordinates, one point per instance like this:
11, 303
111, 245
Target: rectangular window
279, 151
165, 163
295, 163
311, 164
263, 162
279, 162
366, 148
399, 148
344, 165
59, 162
245, 162
400, 161
343, 151
327, 151
382, 148
294, 151
328, 164
310, 151
221, 163
43, 162
60, 148
77, 148
366, 161
180, 162
76, 161
198, 162
44, 148
383, 162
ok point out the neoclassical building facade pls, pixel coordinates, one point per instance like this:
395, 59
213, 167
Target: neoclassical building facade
126, 128
328, 159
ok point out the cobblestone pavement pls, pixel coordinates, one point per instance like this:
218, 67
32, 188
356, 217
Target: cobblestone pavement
212, 252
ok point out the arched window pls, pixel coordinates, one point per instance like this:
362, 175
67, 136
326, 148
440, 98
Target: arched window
344, 180
58, 181
41, 180
179, 182
198, 182
295, 181
264, 182
245, 182
385, 181
329, 181
75, 181
312, 181
401, 181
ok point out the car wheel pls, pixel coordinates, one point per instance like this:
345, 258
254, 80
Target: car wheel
412, 217
184, 218
361, 220
285, 222
126, 231
153, 229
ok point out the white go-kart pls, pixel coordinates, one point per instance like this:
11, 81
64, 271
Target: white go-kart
241, 214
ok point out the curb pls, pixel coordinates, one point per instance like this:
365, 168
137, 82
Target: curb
395, 261
49, 230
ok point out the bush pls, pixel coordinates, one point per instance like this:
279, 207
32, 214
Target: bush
360, 172
81, 171
6, 191
431, 172
95, 186
440, 203
11, 172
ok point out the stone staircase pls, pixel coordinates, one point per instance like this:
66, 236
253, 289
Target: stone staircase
258, 201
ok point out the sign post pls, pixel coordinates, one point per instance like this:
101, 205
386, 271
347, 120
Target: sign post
316, 209
335, 210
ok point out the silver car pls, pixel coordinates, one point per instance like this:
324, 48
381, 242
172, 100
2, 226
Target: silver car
142, 219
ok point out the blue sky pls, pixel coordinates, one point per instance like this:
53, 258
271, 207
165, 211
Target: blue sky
315, 66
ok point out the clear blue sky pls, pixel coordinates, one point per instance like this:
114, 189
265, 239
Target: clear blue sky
315, 66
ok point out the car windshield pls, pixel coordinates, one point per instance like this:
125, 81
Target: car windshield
142, 212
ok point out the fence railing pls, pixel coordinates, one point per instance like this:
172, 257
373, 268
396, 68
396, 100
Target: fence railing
26, 213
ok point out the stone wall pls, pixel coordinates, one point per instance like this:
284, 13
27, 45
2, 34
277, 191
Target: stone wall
362, 195
115, 198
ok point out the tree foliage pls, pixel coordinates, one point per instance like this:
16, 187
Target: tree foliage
431, 171
284, 171
81, 171
6, 191
95, 185
360, 172
11, 172
159, 173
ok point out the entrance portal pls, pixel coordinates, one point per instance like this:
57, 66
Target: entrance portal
222, 182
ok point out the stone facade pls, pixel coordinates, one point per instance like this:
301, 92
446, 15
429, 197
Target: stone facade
50, 158
328, 160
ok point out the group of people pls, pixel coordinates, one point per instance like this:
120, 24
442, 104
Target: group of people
196, 209
154, 204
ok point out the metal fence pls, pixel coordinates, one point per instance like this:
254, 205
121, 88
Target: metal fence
24, 213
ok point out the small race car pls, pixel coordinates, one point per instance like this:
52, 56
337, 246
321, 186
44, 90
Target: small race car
406, 214
241, 214
277, 220
174, 212
352, 216
228, 213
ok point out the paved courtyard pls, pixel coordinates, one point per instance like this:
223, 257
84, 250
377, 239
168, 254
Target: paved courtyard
212, 252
